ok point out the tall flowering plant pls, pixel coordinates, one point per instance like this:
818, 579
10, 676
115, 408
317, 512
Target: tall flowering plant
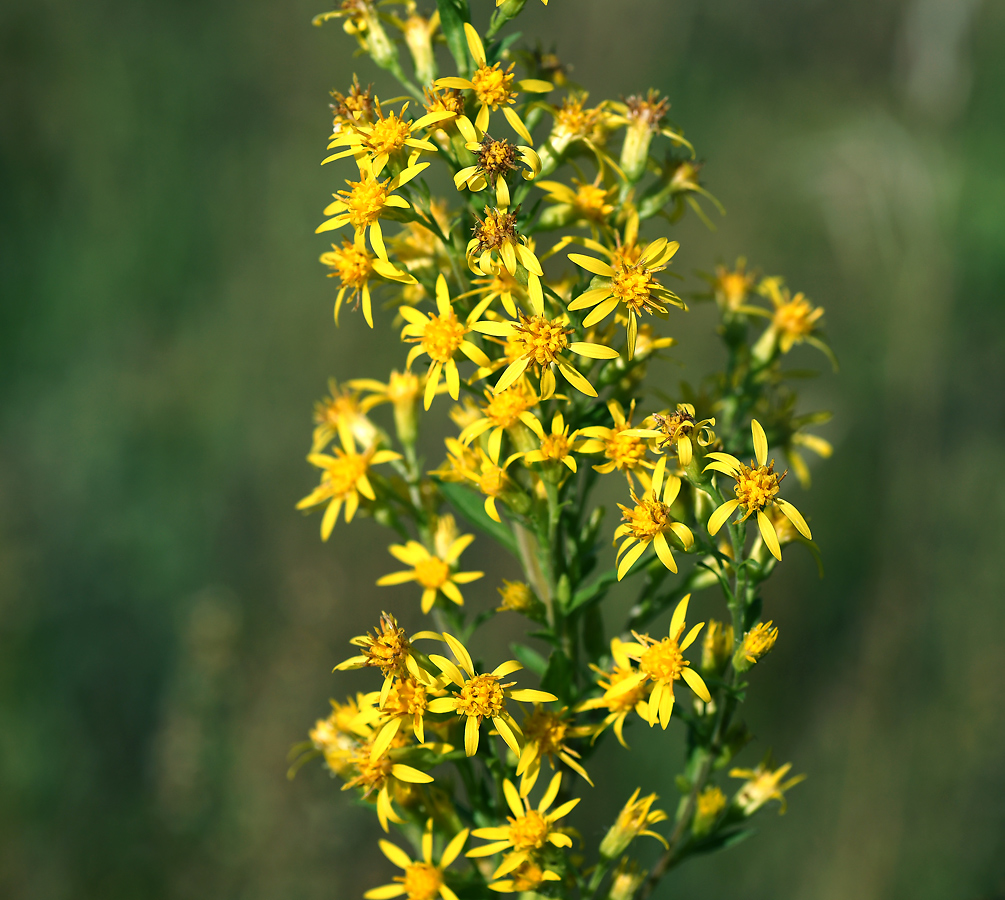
533, 296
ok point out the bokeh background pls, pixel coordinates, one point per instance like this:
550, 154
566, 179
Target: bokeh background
168, 623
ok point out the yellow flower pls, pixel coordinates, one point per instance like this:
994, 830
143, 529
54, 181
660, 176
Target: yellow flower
587, 202
504, 286
402, 391
343, 480
432, 572
527, 877
422, 880
546, 734
764, 783
626, 879
440, 337
731, 287
494, 87
542, 343
629, 283
633, 821
756, 489
557, 446
343, 414
356, 106
353, 265
649, 522
757, 643
643, 118
382, 137
618, 700
529, 830
795, 318
710, 803
663, 663
407, 699
574, 122
365, 202
496, 244
380, 775
389, 649
482, 696
623, 450
679, 429
495, 160
491, 479
337, 737
502, 410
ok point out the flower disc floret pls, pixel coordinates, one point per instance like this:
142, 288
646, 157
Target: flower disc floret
482, 696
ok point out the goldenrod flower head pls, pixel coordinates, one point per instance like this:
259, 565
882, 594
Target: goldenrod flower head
680, 429
634, 820
343, 481
408, 699
632, 285
543, 343
557, 446
546, 733
756, 489
623, 450
517, 597
643, 117
377, 775
626, 880
795, 318
419, 32
649, 522
710, 804
338, 736
433, 573
733, 286
496, 243
440, 337
526, 877
353, 265
389, 649
342, 413
402, 390
482, 697
530, 828
501, 411
623, 692
764, 783
421, 879
449, 100
716, 647
663, 663
757, 643
586, 202
460, 462
491, 479
356, 106
495, 160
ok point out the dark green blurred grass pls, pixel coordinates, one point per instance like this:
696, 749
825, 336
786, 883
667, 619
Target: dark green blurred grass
168, 623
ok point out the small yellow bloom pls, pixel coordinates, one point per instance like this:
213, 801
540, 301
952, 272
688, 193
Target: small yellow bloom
731, 287
440, 337
756, 489
619, 699
343, 414
764, 783
546, 734
517, 597
526, 878
643, 118
623, 450
626, 879
502, 410
493, 87
650, 522
402, 391
529, 830
711, 802
757, 643
353, 265
633, 821
343, 480
365, 202
663, 663
482, 697
589, 203
337, 737
795, 318
558, 446
496, 244
679, 429
542, 343
356, 106
421, 879
632, 284
378, 775
716, 648
495, 160
433, 572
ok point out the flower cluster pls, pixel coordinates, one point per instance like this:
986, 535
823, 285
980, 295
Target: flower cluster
534, 297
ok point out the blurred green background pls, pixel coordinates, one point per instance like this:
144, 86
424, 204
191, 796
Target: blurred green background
168, 623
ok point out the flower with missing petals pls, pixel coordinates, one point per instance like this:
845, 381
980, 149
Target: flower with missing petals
618, 699
764, 783
353, 265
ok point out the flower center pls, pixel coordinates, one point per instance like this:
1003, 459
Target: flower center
756, 488
450, 100
574, 121
371, 775
432, 573
555, 446
388, 135
547, 729
662, 661
529, 831
422, 881
631, 285
795, 317
492, 481
481, 696
365, 201
648, 519
388, 649
497, 229
540, 338
443, 337
516, 596
734, 287
343, 472
496, 157
675, 424
505, 407
402, 387
406, 698
350, 263
591, 202
492, 85
626, 451
527, 877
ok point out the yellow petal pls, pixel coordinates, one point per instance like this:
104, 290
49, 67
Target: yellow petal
768, 535
717, 518
760, 442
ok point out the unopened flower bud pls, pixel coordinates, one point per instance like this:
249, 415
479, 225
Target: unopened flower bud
757, 643
716, 647
711, 802
518, 597
403, 392
631, 822
626, 880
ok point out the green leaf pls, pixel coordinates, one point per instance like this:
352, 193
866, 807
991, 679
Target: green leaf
723, 839
531, 659
453, 15
558, 677
594, 592
472, 509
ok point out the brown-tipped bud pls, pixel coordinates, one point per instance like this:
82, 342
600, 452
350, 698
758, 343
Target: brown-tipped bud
757, 643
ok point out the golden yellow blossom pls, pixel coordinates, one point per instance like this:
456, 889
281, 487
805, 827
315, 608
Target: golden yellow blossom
433, 572
757, 643
356, 106
556, 446
526, 877
617, 699
756, 489
545, 734
649, 522
353, 265
794, 320
529, 830
517, 597
494, 87
679, 429
764, 783
589, 203
378, 776
624, 451
440, 337
732, 287
632, 284
633, 821
716, 647
421, 879
402, 391
501, 410
663, 663
710, 804
343, 480
496, 244
341, 413
495, 160
482, 697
